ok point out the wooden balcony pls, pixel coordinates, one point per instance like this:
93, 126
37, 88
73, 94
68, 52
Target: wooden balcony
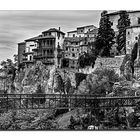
51, 62
44, 56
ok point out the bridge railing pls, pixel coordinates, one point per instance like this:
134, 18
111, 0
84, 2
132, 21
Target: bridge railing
59, 101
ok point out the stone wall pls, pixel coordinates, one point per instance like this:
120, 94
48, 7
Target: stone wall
115, 63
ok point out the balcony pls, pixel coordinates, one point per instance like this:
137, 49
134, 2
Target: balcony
44, 56
37, 56
48, 47
48, 56
27, 53
51, 62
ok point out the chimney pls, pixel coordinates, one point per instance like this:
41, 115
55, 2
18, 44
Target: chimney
59, 28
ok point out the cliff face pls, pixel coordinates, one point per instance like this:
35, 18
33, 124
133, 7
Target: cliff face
43, 79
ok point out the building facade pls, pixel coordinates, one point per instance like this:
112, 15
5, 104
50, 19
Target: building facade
132, 32
133, 15
74, 47
50, 47
30, 44
21, 50
77, 43
84, 31
132, 36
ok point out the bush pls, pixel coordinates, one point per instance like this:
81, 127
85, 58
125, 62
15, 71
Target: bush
28, 120
99, 82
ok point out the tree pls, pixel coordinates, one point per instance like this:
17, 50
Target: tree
134, 56
123, 22
99, 82
87, 59
105, 37
9, 67
67, 85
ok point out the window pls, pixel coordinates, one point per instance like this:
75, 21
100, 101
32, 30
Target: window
76, 43
32, 45
48, 42
136, 38
73, 55
66, 49
138, 20
73, 35
51, 42
128, 33
30, 58
72, 49
128, 42
44, 52
51, 51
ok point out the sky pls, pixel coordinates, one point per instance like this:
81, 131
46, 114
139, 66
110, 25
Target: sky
16, 26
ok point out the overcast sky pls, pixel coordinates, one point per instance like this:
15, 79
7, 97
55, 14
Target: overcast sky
16, 26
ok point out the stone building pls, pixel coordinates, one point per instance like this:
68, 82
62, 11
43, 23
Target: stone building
132, 36
49, 47
115, 63
21, 50
132, 32
78, 42
30, 44
84, 31
133, 15
73, 48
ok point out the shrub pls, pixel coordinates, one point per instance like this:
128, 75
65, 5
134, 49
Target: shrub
99, 82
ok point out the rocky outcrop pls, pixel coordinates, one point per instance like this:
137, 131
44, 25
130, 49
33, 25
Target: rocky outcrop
48, 78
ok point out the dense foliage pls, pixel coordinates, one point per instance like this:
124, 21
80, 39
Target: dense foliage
87, 59
79, 77
9, 67
28, 120
99, 82
123, 23
105, 37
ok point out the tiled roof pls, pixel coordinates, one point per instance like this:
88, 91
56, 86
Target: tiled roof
94, 31
54, 30
39, 37
74, 39
32, 39
21, 43
117, 12
135, 26
87, 26
43, 37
